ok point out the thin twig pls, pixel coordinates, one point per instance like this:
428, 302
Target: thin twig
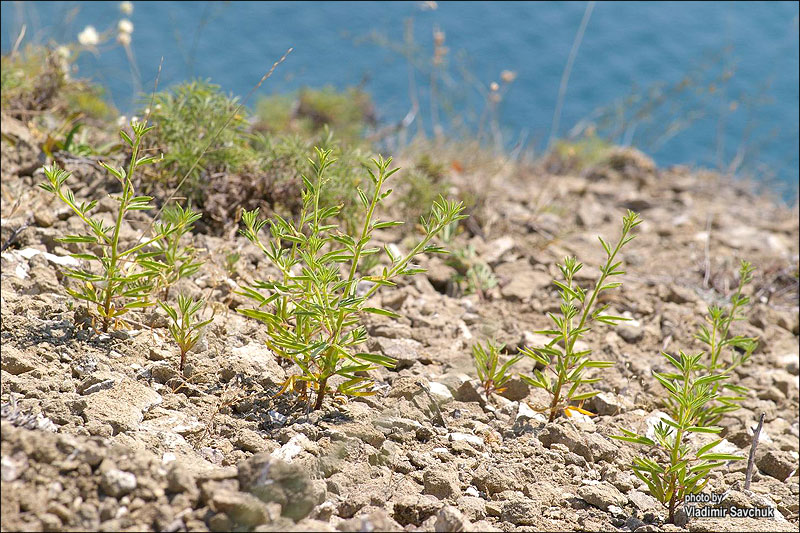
752, 459
707, 252
14, 236
562, 89
19, 40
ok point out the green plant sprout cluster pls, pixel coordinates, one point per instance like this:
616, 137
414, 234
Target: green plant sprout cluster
671, 469
564, 367
177, 261
312, 311
186, 329
127, 275
472, 276
492, 374
725, 352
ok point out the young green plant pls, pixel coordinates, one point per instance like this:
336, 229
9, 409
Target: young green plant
672, 468
472, 276
492, 374
125, 278
564, 368
186, 328
726, 352
177, 262
313, 308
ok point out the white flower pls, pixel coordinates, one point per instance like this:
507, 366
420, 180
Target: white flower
63, 51
508, 76
124, 39
89, 36
494, 86
126, 7
121, 121
125, 26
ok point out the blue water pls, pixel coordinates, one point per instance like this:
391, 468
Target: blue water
628, 48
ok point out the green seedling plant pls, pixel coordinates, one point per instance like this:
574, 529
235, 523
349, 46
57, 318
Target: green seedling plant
126, 276
726, 352
475, 276
177, 262
671, 468
313, 309
493, 375
186, 327
564, 369
231, 259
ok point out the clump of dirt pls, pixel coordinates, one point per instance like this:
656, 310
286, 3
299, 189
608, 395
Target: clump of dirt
101, 431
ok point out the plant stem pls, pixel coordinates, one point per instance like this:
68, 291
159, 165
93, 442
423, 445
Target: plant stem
123, 206
671, 518
323, 383
752, 459
554, 403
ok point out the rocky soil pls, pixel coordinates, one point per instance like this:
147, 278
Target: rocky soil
101, 431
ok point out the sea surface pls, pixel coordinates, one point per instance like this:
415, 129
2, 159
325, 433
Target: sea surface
711, 84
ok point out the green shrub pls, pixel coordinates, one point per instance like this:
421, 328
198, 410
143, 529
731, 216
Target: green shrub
559, 357
38, 79
177, 261
186, 329
347, 112
126, 278
671, 469
726, 352
313, 309
491, 373
188, 119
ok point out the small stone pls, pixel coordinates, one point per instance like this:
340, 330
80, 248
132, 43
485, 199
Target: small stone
180, 479
440, 393
414, 509
442, 483
602, 495
466, 437
274, 480
250, 441
97, 387
608, 403
117, 483
515, 390
778, 464
449, 518
520, 511
12, 466
468, 392
157, 354
630, 331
